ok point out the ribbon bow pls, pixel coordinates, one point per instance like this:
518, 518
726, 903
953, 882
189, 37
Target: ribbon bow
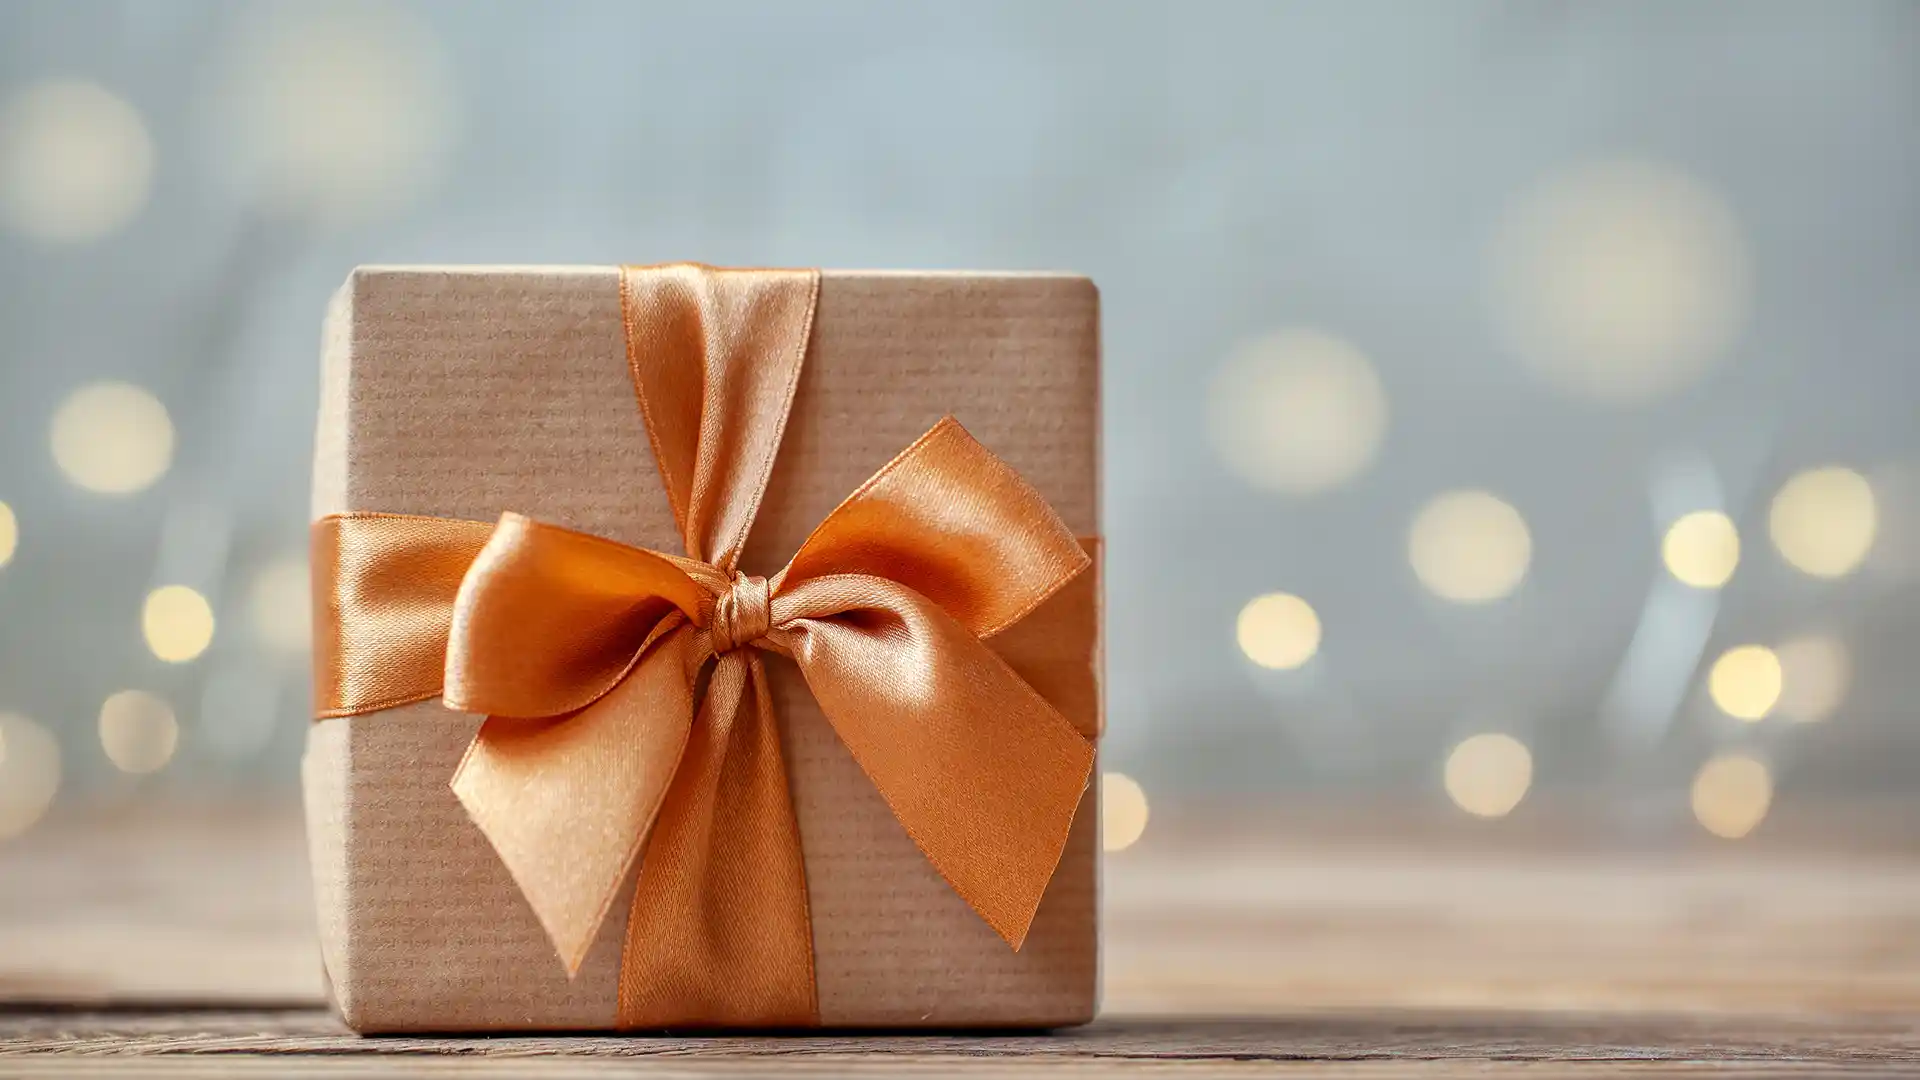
627, 697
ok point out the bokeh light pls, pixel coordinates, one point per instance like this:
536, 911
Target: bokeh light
138, 731
1469, 547
1702, 549
29, 773
339, 111
1814, 672
1823, 521
76, 162
1297, 412
1745, 681
1731, 795
112, 437
1123, 811
9, 534
1620, 281
281, 604
177, 623
1278, 630
1488, 774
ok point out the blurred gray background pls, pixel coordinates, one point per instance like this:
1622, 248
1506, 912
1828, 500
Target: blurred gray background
1451, 349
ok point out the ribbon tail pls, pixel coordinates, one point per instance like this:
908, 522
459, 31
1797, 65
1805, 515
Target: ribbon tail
567, 801
719, 935
981, 771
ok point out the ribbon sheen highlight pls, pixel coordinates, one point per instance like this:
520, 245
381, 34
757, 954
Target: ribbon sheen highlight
626, 691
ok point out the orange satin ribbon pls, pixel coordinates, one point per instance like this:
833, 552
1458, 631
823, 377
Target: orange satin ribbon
589, 657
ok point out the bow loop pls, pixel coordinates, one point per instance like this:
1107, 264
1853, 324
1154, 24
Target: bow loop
953, 522
549, 620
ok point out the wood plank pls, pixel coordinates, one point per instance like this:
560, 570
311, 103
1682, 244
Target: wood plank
1449, 1043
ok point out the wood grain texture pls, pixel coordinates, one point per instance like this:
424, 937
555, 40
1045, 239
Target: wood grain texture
1392, 1043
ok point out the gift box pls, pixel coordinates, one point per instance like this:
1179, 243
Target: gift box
707, 649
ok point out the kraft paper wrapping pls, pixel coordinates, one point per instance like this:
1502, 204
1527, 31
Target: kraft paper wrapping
463, 392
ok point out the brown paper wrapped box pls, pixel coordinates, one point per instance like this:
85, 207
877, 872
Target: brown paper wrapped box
465, 392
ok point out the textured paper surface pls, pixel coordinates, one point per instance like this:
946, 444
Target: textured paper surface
463, 392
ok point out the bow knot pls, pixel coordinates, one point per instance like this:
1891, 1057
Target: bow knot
742, 615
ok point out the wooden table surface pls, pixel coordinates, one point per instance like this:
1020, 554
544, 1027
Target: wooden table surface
179, 943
